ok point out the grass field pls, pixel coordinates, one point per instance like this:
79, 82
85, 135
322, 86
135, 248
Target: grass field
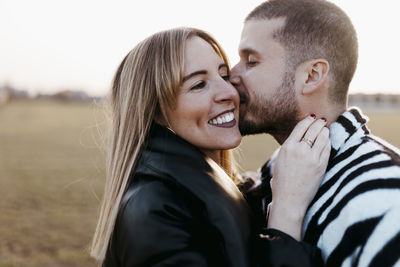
52, 176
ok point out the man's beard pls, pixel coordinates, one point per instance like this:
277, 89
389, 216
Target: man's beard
277, 115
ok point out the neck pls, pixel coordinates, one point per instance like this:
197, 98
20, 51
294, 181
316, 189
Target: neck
324, 110
329, 112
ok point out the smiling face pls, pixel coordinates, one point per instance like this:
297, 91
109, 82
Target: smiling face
266, 86
207, 105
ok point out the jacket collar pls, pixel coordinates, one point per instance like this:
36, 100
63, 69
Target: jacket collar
168, 155
162, 146
351, 124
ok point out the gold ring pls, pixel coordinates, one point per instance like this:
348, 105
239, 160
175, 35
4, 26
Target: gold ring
308, 141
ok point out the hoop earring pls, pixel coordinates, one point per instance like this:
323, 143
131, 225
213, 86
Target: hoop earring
169, 128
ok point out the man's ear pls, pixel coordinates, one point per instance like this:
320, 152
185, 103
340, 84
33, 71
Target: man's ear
316, 75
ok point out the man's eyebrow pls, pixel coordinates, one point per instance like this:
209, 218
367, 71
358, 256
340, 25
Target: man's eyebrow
248, 51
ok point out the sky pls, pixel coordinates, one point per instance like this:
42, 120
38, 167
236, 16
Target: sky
52, 45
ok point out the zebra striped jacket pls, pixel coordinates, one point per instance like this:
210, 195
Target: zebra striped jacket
355, 216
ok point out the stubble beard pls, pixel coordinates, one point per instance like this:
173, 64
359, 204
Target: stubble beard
277, 115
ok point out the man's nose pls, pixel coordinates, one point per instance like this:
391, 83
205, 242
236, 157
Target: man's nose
234, 77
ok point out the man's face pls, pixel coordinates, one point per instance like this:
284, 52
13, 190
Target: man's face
265, 84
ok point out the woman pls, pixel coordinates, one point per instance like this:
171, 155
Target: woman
169, 198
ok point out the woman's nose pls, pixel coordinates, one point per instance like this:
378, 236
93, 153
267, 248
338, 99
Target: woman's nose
226, 92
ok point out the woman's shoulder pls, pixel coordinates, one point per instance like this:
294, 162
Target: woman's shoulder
149, 198
154, 216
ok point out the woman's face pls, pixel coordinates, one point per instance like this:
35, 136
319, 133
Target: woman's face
207, 106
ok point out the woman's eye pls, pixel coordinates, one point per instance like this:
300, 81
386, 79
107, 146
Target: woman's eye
200, 85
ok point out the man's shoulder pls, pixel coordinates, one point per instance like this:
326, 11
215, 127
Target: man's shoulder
377, 143
365, 159
363, 147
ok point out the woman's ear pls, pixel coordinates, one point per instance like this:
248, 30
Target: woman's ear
316, 75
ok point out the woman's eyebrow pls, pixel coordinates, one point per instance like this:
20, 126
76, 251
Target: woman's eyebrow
201, 72
187, 77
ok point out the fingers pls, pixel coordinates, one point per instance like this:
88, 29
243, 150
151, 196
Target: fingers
326, 152
309, 128
301, 128
313, 131
321, 141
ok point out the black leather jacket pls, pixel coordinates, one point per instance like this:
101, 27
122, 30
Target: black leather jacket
175, 214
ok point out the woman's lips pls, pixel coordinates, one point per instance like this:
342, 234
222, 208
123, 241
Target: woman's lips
225, 120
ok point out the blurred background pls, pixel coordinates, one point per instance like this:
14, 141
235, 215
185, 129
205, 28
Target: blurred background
57, 59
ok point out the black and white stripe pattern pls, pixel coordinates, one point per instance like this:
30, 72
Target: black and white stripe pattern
355, 216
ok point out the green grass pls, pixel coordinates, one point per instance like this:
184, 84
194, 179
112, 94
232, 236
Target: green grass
52, 174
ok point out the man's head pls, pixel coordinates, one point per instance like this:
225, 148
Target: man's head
296, 57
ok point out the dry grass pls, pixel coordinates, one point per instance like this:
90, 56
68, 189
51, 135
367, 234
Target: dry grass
52, 174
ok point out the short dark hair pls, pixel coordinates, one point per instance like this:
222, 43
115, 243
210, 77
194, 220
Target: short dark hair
315, 29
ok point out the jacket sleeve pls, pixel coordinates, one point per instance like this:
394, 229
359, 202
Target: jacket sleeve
154, 229
275, 248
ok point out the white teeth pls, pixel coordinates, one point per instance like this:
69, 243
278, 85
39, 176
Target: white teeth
224, 118
227, 117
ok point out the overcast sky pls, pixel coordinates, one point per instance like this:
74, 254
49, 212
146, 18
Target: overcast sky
49, 45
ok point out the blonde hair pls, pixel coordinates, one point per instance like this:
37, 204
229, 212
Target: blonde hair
145, 84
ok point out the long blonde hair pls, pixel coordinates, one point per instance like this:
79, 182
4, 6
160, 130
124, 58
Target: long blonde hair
145, 84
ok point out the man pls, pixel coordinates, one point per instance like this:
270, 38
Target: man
298, 57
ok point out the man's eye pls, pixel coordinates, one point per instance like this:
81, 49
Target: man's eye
251, 63
226, 77
200, 85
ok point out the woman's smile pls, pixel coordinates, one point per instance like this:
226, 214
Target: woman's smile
226, 119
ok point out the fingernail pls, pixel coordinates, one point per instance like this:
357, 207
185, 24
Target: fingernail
324, 119
313, 115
